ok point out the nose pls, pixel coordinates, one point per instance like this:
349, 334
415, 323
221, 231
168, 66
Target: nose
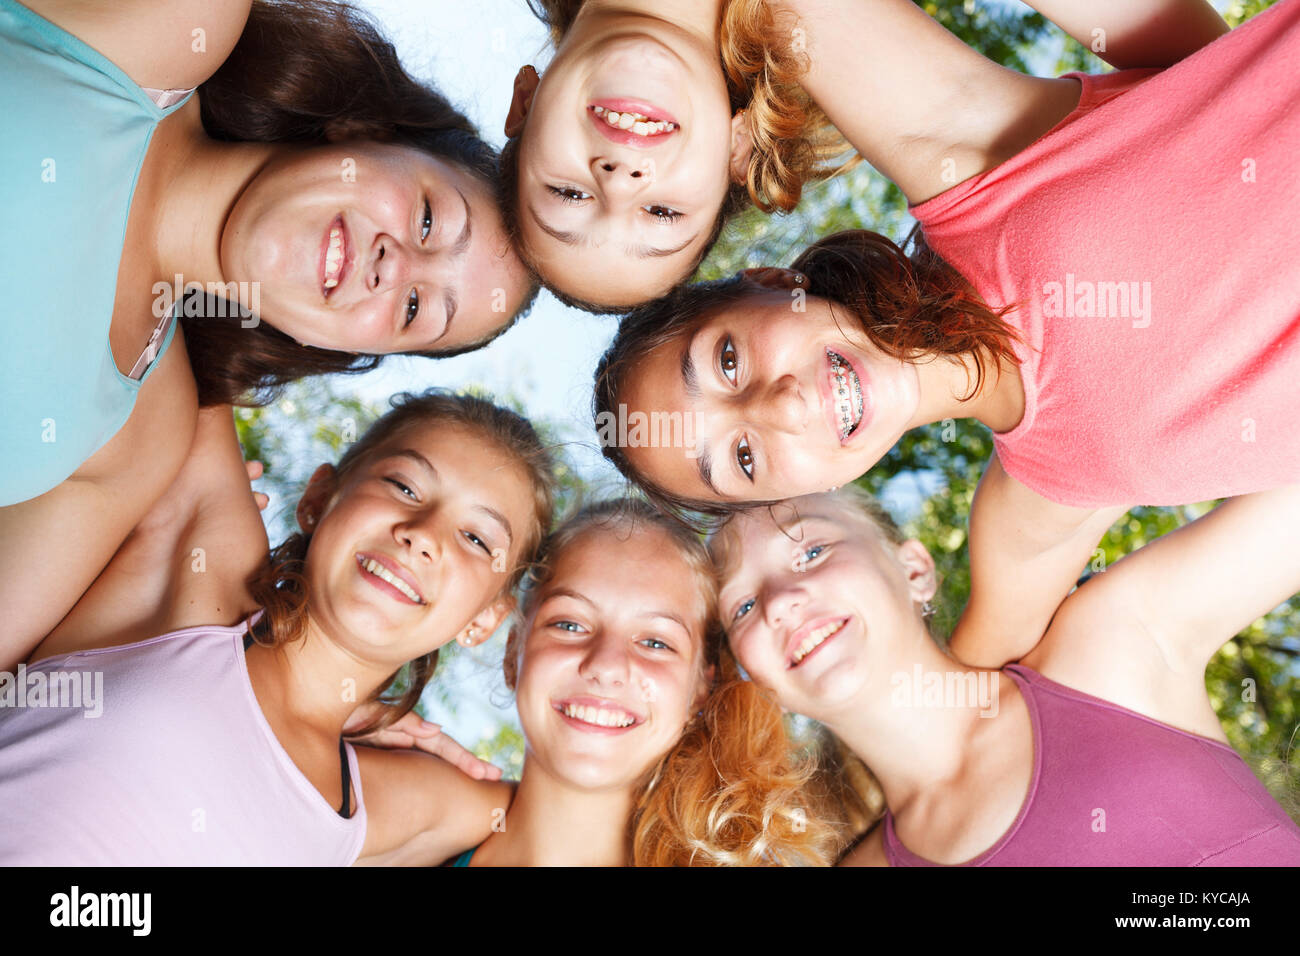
623, 180
779, 406
605, 662
394, 265
781, 600
420, 535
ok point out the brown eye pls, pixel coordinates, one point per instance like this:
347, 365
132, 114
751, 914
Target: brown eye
745, 458
729, 361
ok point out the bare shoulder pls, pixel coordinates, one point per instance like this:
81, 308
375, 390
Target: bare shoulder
163, 44
422, 810
870, 850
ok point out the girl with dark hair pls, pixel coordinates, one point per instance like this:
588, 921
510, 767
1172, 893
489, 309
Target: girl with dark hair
220, 682
1098, 748
329, 208
1116, 334
656, 121
644, 745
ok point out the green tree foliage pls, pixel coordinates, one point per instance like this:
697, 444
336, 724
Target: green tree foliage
1254, 681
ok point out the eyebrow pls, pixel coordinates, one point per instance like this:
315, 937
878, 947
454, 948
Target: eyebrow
458, 249
577, 239
491, 512
691, 380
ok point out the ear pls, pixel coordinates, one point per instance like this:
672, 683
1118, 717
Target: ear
919, 566
773, 277
486, 622
742, 147
312, 504
526, 81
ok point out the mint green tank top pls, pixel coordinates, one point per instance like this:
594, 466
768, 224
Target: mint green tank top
75, 132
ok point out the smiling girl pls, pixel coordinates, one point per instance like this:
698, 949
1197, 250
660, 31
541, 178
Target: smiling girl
653, 124
227, 678
644, 747
1099, 748
1132, 352
332, 208
656, 121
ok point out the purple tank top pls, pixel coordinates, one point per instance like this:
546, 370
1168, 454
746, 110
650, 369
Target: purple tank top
1113, 788
158, 755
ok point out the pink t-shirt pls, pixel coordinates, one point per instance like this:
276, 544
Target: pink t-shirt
1113, 788
158, 755
1151, 245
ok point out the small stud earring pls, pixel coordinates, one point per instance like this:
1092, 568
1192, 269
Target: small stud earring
927, 610
833, 488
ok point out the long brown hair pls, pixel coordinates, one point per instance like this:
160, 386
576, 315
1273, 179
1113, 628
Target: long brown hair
280, 586
793, 141
731, 791
912, 307
315, 72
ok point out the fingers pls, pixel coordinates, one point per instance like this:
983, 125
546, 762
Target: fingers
254, 469
261, 500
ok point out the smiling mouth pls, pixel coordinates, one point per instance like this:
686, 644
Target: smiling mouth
815, 640
372, 567
602, 716
334, 261
637, 123
846, 391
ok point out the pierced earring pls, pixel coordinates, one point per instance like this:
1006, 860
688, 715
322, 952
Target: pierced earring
468, 637
832, 488
799, 278
927, 610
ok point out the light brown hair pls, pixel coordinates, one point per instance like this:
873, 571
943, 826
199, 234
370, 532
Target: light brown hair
280, 586
731, 791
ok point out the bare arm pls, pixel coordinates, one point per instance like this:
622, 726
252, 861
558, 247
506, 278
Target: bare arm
186, 561
420, 810
53, 547
1136, 33
921, 106
1142, 633
163, 44
1025, 554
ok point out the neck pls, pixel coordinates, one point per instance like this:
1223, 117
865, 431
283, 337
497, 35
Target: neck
198, 187
700, 17
916, 745
552, 823
312, 680
945, 388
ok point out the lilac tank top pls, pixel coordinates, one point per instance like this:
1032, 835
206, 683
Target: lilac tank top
1113, 788
157, 755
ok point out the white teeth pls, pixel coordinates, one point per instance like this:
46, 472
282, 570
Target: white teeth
334, 258
634, 122
598, 716
379, 571
847, 392
815, 639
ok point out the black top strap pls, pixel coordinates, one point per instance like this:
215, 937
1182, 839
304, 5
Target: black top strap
346, 810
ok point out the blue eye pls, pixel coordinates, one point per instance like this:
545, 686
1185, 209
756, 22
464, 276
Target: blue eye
745, 608
812, 553
569, 626
654, 640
